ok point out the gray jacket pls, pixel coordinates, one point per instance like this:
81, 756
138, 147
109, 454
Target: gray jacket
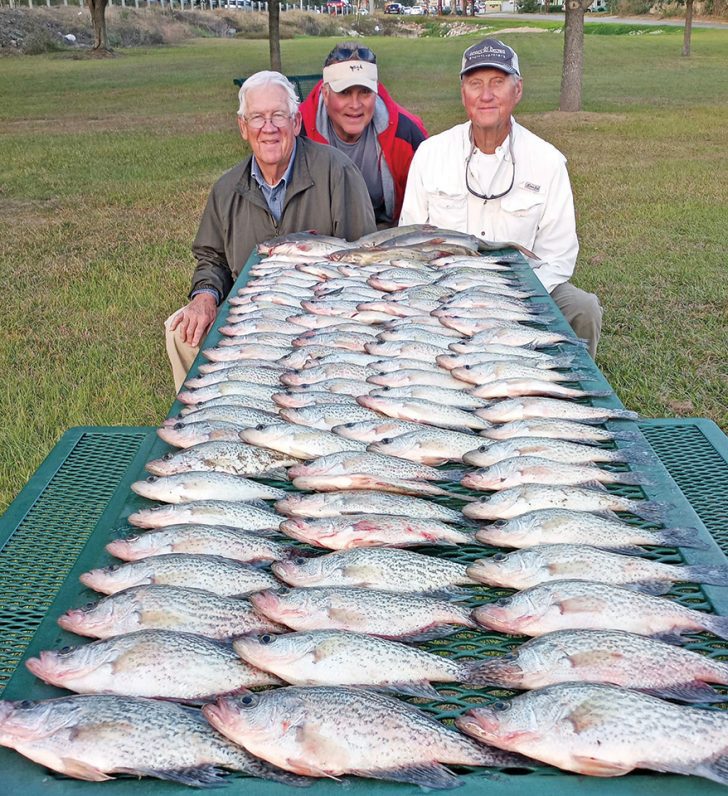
326, 193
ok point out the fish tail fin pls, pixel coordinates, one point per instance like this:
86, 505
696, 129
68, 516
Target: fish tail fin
628, 436
714, 575
597, 393
623, 414
577, 341
561, 361
636, 455
717, 625
634, 478
654, 510
681, 537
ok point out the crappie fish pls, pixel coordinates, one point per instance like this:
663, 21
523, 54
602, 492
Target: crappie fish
565, 526
519, 500
326, 416
559, 429
166, 608
356, 731
348, 341
536, 470
374, 430
528, 408
323, 372
260, 374
184, 434
222, 457
231, 513
345, 386
245, 329
542, 563
488, 372
150, 663
299, 400
337, 657
555, 450
213, 540
417, 334
245, 351
222, 389
376, 568
215, 574
259, 403
514, 388
299, 441
603, 731
576, 604
607, 656
489, 353
187, 487
427, 412
92, 737
485, 319
264, 338
521, 336
334, 504
386, 365
443, 396
430, 445
347, 531
234, 413
404, 348
378, 613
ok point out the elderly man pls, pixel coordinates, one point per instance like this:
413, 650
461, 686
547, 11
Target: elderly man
288, 184
495, 179
351, 110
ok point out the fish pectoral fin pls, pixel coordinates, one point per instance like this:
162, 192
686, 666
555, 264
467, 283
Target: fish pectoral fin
194, 776
364, 574
583, 605
80, 770
345, 616
426, 775
302, 766
325, 649
584, 717
589, 658
599, 768
416, 688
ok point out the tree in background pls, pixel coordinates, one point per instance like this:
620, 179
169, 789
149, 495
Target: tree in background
573, 68
274, 34
688, 27
98, 19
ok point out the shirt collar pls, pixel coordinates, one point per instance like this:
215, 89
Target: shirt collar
257, 175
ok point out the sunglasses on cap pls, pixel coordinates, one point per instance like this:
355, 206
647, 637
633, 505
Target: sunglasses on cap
346, 53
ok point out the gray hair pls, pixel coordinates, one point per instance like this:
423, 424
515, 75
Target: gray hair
267, 78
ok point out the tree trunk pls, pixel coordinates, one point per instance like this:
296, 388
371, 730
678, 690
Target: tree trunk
98, 19
688, 28
570, 99
439, 8
274, 34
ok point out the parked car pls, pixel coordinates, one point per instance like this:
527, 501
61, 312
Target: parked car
393, 8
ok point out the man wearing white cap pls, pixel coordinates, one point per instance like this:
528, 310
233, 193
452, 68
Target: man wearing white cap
351, 110
493, 178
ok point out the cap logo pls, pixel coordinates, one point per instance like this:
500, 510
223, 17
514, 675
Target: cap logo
488, 49
355, 67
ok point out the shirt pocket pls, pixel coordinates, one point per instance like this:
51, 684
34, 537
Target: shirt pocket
521, 213
448, 210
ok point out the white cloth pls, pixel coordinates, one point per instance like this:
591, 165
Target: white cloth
538, 212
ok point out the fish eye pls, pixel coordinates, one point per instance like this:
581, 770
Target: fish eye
26, 704
467, 367
500, 523
112, 568
260, 427
501, 705
266, 638
65, 650
178, 426
283, 591
503, 601
385, 389
248, 700
500, 557
482, 448
348, 425
509, 656
89, 607
167, 456
133, 538
300, 561
151, 479
385, 440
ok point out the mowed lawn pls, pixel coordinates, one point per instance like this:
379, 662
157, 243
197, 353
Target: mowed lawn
105, 166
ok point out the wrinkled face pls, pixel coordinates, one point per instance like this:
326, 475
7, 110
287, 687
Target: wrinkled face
271, 145
489, 97
350, 110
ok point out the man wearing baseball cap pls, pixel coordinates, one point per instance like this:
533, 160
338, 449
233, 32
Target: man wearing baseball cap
351, 110
492, 178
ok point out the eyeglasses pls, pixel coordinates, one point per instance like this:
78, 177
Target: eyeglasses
257, 121
347, 53
484, 196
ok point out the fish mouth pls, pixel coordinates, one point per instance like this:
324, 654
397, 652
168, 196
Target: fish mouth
50, 669
482, 725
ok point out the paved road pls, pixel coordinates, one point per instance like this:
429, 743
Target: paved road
679, 23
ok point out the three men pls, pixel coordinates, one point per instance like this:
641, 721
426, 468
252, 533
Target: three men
288, 184
493, 178
353, 112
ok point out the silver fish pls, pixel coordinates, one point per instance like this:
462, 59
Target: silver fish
231, 513
326, 416
150, 663
222, 457
215, 574
428, 412
443, 396
95, 736
407, 377
513, 388
603, 731
576, 604
166, 608
374, 430
356, 731
185, 434
430, 445
299, 441
299, 400
528, 408
559, 429
186, 487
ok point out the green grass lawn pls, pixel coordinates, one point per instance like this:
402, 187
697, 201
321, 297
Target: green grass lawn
105, 166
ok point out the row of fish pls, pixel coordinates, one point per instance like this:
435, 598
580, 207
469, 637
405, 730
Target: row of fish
356, 382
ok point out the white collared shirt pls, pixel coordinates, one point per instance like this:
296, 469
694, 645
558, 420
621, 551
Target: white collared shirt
538, 212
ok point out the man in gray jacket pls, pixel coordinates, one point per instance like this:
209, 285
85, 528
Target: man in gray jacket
288, 184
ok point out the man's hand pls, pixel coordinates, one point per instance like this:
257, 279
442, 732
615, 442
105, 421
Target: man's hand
196, 318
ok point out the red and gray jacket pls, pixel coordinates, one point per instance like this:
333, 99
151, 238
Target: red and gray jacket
399, 133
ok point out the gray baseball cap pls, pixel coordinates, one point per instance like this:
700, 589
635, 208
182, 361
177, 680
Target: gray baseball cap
490, 53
